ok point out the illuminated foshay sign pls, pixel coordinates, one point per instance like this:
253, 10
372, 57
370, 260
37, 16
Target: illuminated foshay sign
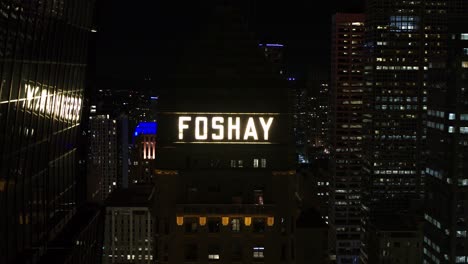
225, 128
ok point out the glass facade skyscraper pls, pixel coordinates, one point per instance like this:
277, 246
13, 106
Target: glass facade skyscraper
43, 53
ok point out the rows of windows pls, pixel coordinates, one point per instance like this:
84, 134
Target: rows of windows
191, 252
256, 163
432, 221
235, 224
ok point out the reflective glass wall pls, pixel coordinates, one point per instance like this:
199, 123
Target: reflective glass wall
43, 51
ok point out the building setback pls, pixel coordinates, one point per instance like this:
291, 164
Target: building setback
42, 76
346, 114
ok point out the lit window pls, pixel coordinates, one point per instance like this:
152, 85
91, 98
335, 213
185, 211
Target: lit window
235, 225
465, 51
233, 163
240, 163
258, 252
465, 64
451, 129
255, 163
464, 130
213, 256
462, 182
452, 116
464, 36
263, 163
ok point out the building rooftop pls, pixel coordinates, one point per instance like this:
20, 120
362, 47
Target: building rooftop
134, 196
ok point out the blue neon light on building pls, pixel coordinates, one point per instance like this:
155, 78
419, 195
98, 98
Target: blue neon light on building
146, 128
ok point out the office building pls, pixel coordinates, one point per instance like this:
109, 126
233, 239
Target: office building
129, 226
396, 88
143, 153
103, 163
225, 162
43, 65
274, 53
346, 114
445, 239
396, 240
323, 115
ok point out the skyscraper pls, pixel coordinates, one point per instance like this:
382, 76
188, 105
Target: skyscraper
445, 233
43, 64
395, 99
225, 162
346, 114
103, 163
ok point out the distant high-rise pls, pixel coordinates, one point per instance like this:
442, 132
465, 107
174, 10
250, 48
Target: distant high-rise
323, 115
43, 55
396, 96
346, 114
129, 226
445, 232
403, 42
143, 153
103, 163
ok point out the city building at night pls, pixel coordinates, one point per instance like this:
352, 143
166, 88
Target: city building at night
396, 241
143, 153
103, 163
323, 116
129, 226
445, 231
395, 97
225, 166
43, 65
346, 110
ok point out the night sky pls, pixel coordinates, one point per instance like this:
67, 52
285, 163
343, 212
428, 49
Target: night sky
137, 39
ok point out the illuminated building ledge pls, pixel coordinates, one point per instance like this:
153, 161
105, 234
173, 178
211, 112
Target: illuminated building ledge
225, 142
284, 173
270, 220
225, 209
166, 172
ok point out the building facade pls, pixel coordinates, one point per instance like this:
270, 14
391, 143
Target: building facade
43, 59
445, 239
129, 226
143, 153
395, 109
346, 115
225, 161
103, 163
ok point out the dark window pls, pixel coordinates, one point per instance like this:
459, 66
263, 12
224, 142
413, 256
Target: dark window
259, 225
236, 251
213, 225
191, 252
